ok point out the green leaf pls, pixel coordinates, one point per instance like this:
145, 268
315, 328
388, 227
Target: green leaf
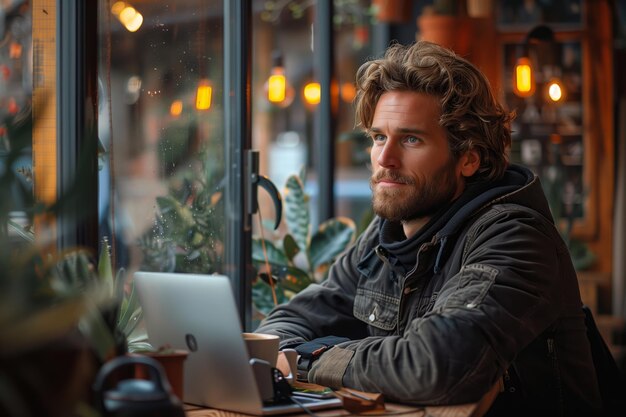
105, 271
297, 211
290, 247
262, 296
332, 238
292, 278
274, 255
131, 312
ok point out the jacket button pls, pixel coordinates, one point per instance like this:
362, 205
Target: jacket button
407, 290
372, 317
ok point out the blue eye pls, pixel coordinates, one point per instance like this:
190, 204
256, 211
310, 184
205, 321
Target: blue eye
412, 140
378, 137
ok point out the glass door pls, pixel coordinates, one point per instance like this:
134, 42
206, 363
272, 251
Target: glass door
172, 131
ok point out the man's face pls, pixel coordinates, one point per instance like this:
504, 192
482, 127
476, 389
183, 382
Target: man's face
414, 173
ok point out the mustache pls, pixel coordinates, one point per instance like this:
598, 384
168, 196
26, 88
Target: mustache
390, 175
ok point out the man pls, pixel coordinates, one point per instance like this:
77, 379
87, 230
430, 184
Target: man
462, 279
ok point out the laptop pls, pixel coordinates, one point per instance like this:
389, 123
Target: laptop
198, 313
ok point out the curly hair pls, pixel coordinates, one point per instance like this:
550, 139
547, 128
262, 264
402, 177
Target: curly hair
470, 113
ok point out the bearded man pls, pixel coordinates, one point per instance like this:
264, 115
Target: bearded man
461, 280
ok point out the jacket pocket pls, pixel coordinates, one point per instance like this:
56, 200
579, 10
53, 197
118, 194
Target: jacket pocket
376, 309
473, 283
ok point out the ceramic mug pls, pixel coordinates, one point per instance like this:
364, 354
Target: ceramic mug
262, 346
265, 347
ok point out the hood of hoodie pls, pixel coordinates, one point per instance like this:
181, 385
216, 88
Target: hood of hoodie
518, 185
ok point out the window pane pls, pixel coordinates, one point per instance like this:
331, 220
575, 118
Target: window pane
161, 128
284, 130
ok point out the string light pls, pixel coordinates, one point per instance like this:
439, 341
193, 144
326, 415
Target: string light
524, 81
127, 15
176, 108
277, 88
312, 93
203, 95
555, 90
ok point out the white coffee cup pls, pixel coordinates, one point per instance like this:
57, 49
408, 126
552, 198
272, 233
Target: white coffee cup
262, 346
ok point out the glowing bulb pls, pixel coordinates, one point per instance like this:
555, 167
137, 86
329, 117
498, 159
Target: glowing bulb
555, 91
127, 15
203, 95
130, 18
312, 93
523, 83
277, 86
176, 108
135, 24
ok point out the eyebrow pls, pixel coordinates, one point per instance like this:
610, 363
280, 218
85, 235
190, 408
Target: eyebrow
399, 130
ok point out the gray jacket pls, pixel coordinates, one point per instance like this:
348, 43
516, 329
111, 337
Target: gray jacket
492, 294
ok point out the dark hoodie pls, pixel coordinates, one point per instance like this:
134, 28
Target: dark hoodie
448, 219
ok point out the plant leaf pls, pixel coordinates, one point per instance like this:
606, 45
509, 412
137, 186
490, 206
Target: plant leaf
290, 247
105, 271
274, 255
297, 211
332, 238
292, 278
262, 296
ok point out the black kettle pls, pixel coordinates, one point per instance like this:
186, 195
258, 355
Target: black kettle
151, 397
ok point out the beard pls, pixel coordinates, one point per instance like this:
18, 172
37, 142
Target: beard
417, 199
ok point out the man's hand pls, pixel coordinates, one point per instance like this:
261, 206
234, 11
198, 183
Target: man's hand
287, 364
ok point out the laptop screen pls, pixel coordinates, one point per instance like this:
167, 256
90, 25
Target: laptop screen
198, 313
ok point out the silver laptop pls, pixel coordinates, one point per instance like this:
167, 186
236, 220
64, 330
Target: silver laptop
198, 313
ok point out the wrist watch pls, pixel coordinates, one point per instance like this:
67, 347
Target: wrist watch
305, 362
310, 351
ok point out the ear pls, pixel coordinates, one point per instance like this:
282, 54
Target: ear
469, 163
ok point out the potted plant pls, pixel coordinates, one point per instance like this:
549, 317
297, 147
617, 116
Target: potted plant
129, 325
299, 257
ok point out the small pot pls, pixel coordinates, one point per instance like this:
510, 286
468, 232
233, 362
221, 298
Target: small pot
173, 362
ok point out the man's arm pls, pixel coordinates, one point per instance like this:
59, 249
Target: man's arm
505, 295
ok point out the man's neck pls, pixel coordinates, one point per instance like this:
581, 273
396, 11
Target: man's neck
413, 226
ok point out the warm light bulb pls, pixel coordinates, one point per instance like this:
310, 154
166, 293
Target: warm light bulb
136, 23
523, 83
312, 93
203, 95
555, 90
130, 18
176, 108
277, 86
127, 15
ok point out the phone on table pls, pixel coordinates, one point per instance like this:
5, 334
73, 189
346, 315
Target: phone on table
313, 392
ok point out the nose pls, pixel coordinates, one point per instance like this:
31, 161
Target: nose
387, 155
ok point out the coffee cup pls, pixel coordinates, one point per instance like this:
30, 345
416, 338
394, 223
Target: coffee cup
262, 346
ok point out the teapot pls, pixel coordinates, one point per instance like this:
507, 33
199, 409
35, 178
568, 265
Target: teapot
150, 397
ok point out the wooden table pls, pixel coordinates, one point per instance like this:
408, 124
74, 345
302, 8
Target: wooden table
464, 410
